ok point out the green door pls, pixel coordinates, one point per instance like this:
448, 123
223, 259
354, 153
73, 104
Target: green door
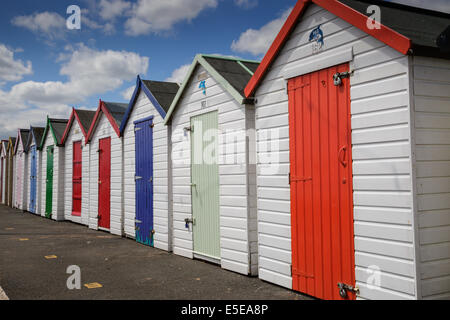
49, 186
205, 185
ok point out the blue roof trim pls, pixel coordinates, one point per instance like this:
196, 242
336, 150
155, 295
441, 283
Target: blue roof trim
140, 85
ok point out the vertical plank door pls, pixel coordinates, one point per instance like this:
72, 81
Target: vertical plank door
77, 177
33, 179
205, 185
49, 183
104, 184
321, 184
144, 182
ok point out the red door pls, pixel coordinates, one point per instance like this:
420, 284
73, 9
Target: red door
76, 179
321, 184
104, 184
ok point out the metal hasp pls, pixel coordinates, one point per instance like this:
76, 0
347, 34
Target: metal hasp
337, 77
344, 288
189, 221
190, 129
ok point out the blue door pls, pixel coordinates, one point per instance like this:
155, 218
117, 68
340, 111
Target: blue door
144, 181
33, 176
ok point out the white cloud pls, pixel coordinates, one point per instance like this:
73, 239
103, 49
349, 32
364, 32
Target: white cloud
11, 69
49, 24
89, 72
110, 9
128, 93
246, 4
179, 74
153, 16
258, 41
436, 5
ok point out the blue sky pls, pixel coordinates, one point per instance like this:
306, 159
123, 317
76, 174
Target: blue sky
46, 68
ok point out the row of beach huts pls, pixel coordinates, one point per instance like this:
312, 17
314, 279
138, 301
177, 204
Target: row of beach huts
324, 169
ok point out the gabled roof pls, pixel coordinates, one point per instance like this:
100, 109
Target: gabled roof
22, 137
57, 128
231, 73
84, 118
11, 143
114, 112
161, 95
36, 133
406, 29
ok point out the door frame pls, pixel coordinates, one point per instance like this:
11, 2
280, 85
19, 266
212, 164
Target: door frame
348, 176
108, 226
198, 255
138, 239
49, 193
80, 142
33, 179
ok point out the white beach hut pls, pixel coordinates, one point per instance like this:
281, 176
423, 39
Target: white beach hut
33, 190
76, 164
146, 163
20, 196
52, 173
213, 166
353, 122
106, 171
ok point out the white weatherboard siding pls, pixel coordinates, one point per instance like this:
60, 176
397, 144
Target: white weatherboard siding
432, 151
28, 175
237, 231
383, 203
19, 177
75, 134
105, 130
161, 213
58, 179
3, 174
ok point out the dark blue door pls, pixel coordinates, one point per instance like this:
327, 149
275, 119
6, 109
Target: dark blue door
144, 181
33, 177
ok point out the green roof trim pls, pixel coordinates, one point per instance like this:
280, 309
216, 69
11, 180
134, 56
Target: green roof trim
44, 136
200, 59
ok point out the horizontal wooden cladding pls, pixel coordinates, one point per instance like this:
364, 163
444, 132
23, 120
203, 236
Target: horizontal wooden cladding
143, 109
235, 197
432, 120
380, 110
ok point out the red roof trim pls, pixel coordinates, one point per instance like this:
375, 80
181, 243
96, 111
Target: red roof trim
102, 108
384, 34
69, 125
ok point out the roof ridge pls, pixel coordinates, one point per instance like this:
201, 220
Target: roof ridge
229, 58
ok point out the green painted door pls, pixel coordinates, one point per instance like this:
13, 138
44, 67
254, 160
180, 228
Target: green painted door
49, 185
205, 185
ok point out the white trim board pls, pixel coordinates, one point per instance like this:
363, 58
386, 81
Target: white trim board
319, 62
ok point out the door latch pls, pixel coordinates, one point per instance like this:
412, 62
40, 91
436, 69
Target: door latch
345, 288
337, 77
189, 221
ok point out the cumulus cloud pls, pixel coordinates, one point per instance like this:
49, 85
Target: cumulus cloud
49, 24
258, 41
111, 9
128, 93
154, 16
179, 74
246, 4
90, 72
10, 68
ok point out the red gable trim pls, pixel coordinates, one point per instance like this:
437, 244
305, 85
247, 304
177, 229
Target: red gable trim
357, 19
69, 125
102, 108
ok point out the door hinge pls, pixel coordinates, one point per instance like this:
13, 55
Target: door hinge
136, 178
297, 179
190, 129
337, 77
136, 129
345, 288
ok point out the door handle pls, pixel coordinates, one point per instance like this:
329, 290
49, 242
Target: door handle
342, 151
